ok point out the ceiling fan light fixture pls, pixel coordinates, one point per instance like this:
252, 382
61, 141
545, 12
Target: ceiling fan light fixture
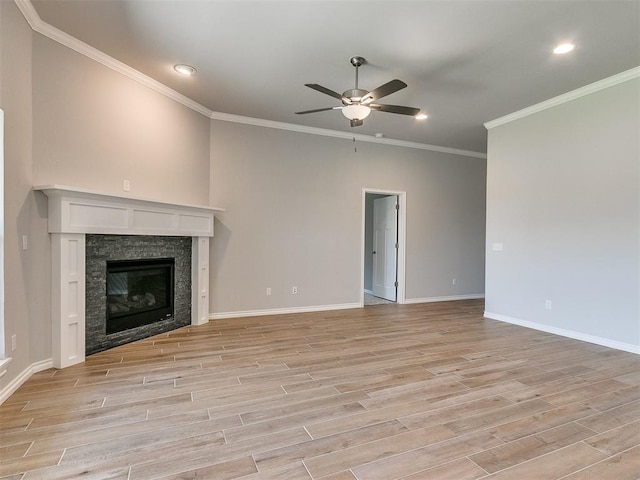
187, 70
421, 116
356, 112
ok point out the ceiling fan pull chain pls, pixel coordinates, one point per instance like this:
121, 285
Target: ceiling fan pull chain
355, 148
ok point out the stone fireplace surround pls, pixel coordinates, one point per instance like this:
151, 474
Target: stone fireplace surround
101, 249
73, 213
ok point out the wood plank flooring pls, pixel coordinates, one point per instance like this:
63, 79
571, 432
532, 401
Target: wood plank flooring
429, 391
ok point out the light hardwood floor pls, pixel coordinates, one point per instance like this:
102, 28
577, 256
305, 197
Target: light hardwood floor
431, 391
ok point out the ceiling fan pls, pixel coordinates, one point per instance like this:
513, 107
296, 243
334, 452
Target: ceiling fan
358, 103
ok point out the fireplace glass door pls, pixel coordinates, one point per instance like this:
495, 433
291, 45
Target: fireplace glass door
139, 292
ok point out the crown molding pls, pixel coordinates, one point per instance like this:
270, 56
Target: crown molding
49, 31
29, 13
38, 25
227, 117
566, 97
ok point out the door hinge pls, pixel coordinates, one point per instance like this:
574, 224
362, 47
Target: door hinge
396, 246
397, 206
395, 284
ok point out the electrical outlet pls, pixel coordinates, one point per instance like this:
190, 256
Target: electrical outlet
547, 304
268, 291
14, 342
126, 185
454, 281
294, 290
25, 242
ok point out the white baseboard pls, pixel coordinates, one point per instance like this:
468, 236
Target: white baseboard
605, 342
472, 296
4, 363
17, 382
283, 311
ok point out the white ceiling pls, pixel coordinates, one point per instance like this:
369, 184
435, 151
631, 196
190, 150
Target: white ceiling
465, 62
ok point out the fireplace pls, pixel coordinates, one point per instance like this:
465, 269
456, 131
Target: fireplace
139, 292
76, 217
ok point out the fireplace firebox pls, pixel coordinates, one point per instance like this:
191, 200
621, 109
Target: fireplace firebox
139, 292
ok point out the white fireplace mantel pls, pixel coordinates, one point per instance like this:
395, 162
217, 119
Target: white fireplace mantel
75, 212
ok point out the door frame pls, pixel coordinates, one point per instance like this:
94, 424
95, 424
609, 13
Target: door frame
402, 230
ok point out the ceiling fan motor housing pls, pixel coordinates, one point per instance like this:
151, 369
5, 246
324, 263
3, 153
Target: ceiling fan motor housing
357, 61
354, 95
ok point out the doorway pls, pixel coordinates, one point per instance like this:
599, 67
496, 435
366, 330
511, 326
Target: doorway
383, 246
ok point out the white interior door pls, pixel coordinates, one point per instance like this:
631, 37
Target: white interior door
385, 244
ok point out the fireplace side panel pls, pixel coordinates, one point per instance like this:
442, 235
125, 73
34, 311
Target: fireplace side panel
103, 248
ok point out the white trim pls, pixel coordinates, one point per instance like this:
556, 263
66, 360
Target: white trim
17, 382
86, 193
76, 210
370, 292
68, 287
605, 342
4, 363
449, 298
227, 117
200, 267
402, 241
29, 13
283, 311
63, 38
38, 25
566, 97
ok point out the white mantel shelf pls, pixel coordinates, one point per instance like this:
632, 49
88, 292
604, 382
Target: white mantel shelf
76, 212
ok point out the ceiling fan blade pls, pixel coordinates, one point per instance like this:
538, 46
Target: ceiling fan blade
318, 110
326, 91
383, 90
412, 111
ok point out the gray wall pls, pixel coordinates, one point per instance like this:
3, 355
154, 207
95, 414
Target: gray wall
72, 121
563, 198
94, 127
25, 314
294, 217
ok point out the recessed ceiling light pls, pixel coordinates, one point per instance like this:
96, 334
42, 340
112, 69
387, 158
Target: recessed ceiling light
184, 69
563, 48
421, 116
